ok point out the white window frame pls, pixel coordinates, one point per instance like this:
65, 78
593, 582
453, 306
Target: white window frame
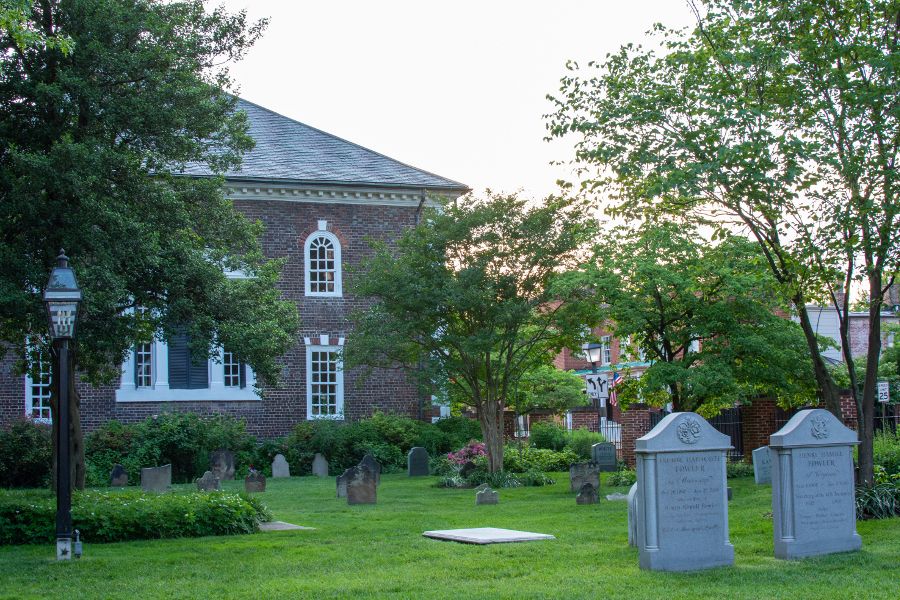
29, 396
233, 363
322, 345
150, 354
606, 350
323, 233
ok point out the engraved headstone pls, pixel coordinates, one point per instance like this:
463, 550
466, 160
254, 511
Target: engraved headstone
762, 465
208, 483
280, 467
466, 469
682, 506
604, 456
581, 473
586, 495
342, 480
368, 462
319, 466
118, 477
361, 486
813, 489
632, 515
255, 482
486, 496
417, 462
156, 479
221, 463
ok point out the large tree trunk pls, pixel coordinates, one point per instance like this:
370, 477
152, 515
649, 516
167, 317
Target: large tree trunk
867, 422
828, 391
490, 416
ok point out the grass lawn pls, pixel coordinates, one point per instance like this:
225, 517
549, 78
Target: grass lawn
378, 551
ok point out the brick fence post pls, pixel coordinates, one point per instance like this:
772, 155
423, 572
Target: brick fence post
757, 424
848, 410
635, 423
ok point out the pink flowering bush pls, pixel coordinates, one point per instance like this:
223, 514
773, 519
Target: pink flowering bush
470, 451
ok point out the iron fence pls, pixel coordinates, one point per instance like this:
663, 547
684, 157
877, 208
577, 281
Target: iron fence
730, 422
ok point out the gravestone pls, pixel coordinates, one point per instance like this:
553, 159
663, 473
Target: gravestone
417, 462
156, 479
762, 465
221, 463
208, 483
342, 480
280, 467
586, 495
361, 485
486, 496
813, 490
255, 482
581, 473
682, 506
483, 486
466, 469
118, 477
604, 456
319, 466
632, 515
368, 462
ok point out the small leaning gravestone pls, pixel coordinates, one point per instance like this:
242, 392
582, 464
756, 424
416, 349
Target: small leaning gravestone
486, 496
255, 482
604, 456
280, 467
813, 489
156, 479
587, 494
208, 483
361, 486
581, 473
632, 515
682, 506
762, 465
417, 462
118, 477
221, 463
319, 466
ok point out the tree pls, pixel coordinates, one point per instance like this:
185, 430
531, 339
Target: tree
477, 294
548, 388
779, 117
21, 33
91, 142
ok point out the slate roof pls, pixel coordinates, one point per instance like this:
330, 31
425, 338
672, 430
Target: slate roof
290, 151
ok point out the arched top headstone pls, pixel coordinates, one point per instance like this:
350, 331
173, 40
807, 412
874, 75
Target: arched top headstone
683, 432
813, 427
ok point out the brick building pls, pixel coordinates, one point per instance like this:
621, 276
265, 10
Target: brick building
321, 199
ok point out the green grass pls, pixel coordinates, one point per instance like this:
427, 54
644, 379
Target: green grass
379, 551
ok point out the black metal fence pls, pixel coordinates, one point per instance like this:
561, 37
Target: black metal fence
730, 422
887, 417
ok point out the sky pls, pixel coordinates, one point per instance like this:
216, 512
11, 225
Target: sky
456, 88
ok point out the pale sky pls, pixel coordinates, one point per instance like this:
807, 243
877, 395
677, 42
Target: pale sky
456, 88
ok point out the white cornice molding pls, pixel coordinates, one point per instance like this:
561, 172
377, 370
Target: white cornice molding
332, 195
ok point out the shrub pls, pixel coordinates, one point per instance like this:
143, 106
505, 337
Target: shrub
622, 478
458, 430
537, 459
548, 436
579, 441
469, 452
29, 517
881, 501
738, 469
886, 446
26, 454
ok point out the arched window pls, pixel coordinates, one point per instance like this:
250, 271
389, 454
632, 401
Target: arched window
322, 258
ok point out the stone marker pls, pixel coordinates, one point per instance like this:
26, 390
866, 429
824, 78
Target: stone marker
604, 456
486, 496
221, 463
762, 465
483, 486
319, 466
255, 482
417, 462
156, 479
342, 480
586, 495
813, 490
486, 535
466, 469
280, 467
632, 515
361, 485
208, 483
118, 477
368, 462
581, 473
682, 507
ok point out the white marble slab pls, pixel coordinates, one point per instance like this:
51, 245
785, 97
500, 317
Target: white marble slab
486, 535
280, 526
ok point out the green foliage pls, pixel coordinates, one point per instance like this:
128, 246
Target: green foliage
580, 440
537, 459
30, 517
887, 451
548, 435
624, 477
738, 468
879, 501
25, 454
459, 430
548, 388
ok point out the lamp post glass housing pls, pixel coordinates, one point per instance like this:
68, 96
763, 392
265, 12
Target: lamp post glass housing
62, 297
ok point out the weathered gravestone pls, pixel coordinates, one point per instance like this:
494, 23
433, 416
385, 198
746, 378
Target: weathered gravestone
467, 468
762, 465
361, 486
586, 495
417, 462
682, 507
483, 486
581, 473
221, 463
342, 480
319, 466
368, 462
208, 483
118, 477
486, 496
156, 479
632, 515
255, 482
813, 491
280, 467
604, 456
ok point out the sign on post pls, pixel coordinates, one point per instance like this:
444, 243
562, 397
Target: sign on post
884, 391
598, 387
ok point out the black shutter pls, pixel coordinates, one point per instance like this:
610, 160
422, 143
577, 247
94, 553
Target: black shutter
179, 361
198, 374
136, 365
242, 370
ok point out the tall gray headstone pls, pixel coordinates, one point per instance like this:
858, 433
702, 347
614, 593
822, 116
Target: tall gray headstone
361, 486
255, 482
280, 467
486, 496
156, 479
221, 463
632, 515
762, 465
582, 473
604, 456
417, 462
586, 495
368, 462
208, 483
319, 466
813, 489
342, 480
118, 477
682, 506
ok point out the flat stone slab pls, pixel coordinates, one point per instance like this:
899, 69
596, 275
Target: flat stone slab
617, 497
281, 526
486, 535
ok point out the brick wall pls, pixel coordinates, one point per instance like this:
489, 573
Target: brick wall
758, 423
635, 423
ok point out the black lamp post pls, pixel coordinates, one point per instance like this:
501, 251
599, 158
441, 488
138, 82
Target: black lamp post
61, 298
593, 353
